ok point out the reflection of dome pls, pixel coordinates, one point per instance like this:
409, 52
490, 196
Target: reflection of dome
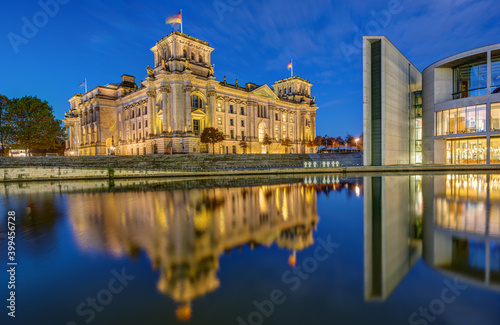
296, 238
183, 313
188, 280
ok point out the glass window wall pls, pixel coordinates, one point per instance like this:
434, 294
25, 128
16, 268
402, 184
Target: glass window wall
495, 117
470, 119
470, 80
466, 151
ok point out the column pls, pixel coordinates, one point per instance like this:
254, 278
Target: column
211, 107
151, 112
187, 126
167, 126
313, 125
488, 73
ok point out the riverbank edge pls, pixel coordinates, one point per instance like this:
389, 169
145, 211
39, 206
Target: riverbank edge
41, 173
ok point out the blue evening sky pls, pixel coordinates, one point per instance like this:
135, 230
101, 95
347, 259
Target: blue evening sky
253, 40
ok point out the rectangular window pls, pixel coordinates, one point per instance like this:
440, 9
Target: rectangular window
495, 73
242, 134
231, 132
276, 117
461, 119
470, 80
481, 118
219, 107
276, 128
145, 110
231, 109
495, 150
471, 119
231, 122
219, 120
119, 117
291, 130
242, 122
146, 123
277, 137
196, 127
291, 118
284, 128
495, 117
446, 122
242, 111
139, 125
133, 127
453, 121
284, 118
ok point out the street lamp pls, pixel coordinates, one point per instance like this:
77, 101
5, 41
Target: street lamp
357, 143
326, 143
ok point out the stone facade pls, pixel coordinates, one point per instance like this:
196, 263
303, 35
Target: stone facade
169, 110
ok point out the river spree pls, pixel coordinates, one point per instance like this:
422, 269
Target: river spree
328, 249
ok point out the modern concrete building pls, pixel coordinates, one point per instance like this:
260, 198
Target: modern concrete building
449, 114
390, 85
180, 97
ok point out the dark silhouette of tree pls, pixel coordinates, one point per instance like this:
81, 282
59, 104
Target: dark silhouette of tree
243, 145
340, 141
4, 124
266, 141
212, 136
287, 143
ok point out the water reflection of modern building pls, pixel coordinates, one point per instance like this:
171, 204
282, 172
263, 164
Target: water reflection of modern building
463, 237
453, 221
393, 208
184, 233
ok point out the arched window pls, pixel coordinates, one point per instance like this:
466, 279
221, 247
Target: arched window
197, 102
192, 56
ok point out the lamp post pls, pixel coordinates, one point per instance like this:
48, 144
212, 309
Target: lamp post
356, 143
326, 143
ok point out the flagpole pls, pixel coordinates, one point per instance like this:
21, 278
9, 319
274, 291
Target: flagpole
292, 66
181, 23
85, 85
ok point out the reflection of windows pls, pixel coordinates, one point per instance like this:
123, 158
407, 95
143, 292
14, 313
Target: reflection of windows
470, 80
495, 73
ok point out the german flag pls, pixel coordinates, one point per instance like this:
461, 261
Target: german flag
174, 19
290, 65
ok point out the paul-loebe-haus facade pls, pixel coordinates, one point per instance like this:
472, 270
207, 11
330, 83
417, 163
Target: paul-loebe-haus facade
179, 98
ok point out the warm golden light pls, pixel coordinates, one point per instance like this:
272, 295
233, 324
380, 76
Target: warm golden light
183, 313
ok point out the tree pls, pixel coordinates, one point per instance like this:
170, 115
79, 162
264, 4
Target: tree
350, 140
317, 142
4, 124
212, 136
33, 125
266, 141
287, 143
243, 144
340, 141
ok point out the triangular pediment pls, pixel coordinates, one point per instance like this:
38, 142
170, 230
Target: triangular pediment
265, 91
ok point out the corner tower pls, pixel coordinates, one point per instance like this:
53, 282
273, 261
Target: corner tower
179, 52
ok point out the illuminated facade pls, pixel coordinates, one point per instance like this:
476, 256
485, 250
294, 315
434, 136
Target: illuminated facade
448, 114
463, 235
179, 98
184, 233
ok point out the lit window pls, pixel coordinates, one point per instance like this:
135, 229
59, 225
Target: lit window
284, 118
219, 120
197, 102
291, 118
284, 128
219, 107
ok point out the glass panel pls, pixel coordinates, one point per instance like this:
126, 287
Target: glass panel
470, 80
481, 118
439, 123
481, 151
495, 150
449, 152
472, 151
495, 74
495, 117
461, 119
453, 121
471, 119
446, 122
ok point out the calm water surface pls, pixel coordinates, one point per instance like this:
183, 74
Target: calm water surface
407, 249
